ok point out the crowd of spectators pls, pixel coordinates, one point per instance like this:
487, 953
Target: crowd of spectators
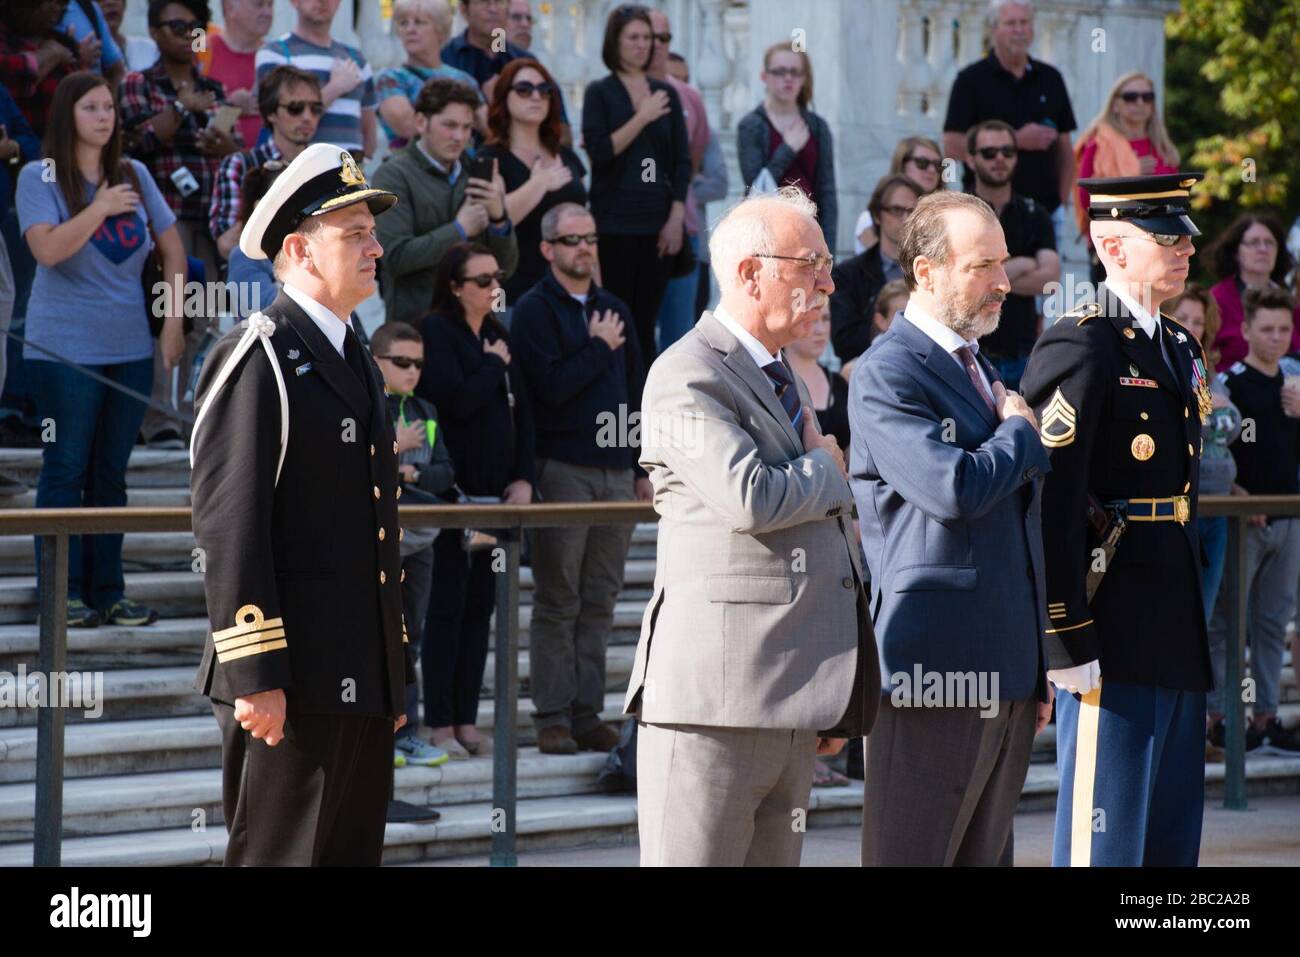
532, 271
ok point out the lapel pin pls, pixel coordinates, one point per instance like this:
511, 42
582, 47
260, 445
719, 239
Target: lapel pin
293, 353
1133, 370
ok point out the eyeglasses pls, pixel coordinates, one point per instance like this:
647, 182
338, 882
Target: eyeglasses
526, 89
404, 362
990, 152
781, 72
295, 107
819, 263
575, 238
182, 28
1264, 242
923, 163
902, 212
664, 38
1133, 97
483, 280
1160, 239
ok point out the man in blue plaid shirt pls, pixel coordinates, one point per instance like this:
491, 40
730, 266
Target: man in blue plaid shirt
290, 102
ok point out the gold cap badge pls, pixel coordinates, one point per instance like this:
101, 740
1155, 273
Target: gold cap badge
350, 173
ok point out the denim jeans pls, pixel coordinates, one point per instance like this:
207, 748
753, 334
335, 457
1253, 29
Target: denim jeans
677, 313
1213, 533
84, 462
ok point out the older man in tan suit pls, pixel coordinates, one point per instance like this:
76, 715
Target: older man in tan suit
756, 650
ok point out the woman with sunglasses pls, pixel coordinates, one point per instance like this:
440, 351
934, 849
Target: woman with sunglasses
920, 160
1127, 138
487, 423
1251, 254
524, 131
785, 138
89, 231
423, 26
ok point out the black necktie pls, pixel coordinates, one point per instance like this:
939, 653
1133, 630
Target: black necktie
352, 354
786, 393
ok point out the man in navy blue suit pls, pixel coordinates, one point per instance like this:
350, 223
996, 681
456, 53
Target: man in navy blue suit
946, 469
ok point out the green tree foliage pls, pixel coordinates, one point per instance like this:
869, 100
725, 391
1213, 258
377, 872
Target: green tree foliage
1233, 87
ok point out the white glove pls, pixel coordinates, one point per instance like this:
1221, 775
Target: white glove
1077, 680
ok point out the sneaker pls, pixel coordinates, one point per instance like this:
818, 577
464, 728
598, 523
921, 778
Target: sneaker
1276, 739
420, 752
399, 759
15, 434
1216, 739
127, 612
81, 615
167, 439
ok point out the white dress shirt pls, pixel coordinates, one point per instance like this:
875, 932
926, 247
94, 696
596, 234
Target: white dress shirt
757, 351
335, 329
1136, 310
947, 339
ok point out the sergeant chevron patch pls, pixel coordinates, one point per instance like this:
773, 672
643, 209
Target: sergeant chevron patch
1058, 422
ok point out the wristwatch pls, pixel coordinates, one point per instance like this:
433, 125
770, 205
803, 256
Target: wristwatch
179, 107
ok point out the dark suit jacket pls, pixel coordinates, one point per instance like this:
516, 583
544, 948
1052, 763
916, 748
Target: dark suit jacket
293, 570
949, 510
857, 283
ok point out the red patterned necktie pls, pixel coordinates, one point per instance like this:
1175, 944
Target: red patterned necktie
967, 357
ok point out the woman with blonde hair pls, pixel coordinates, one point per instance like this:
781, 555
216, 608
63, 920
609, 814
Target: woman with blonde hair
920, 159
1127, 138
785, 139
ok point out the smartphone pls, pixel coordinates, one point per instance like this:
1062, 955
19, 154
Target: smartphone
479, 167
227, 114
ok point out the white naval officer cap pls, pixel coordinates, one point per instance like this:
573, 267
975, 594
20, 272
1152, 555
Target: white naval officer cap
321, 179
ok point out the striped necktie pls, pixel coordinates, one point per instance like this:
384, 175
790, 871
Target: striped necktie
786, 393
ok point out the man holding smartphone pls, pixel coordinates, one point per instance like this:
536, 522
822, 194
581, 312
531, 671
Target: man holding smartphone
443, 200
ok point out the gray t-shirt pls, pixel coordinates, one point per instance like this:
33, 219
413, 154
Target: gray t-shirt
91, 308
1218, 468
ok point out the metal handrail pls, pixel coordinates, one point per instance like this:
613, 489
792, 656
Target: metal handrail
54, 525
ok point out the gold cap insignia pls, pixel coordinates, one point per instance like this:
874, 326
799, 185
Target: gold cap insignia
1058, 422
350, 173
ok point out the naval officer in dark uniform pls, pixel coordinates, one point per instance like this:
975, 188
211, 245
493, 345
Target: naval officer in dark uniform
1121, 390
295, 489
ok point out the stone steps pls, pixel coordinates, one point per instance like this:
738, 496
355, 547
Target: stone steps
179, 594
543, 822
147, 468
162, 497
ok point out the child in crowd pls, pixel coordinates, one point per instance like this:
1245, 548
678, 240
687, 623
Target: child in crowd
1267, 454
427, 475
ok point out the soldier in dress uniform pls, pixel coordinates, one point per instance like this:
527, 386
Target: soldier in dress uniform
295, 490
1121, 390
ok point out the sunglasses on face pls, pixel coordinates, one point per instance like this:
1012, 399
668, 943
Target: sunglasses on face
1133, 97
295, 107
902, 212
404, 362
922, 163
182, 28
664, 38
486, 279
573, 240
781, 72
526, 88
1162, 239
990, 152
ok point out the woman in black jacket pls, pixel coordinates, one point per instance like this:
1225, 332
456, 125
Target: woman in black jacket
634, 132
489, 431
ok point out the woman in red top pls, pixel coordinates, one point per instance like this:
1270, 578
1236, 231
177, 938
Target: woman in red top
1127, 138
1252, 254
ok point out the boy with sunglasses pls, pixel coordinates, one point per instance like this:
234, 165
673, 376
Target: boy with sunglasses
427, 475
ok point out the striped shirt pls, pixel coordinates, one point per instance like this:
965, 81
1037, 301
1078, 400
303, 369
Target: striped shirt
341, 124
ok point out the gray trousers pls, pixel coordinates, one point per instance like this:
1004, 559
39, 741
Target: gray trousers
577, 575
1272, 566
722, 797
941, 784
197, 243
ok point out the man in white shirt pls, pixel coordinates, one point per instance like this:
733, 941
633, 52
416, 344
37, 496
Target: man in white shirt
946, 471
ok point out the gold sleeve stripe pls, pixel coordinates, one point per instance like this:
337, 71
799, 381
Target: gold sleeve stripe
248, 619
1057, 631
230, 644
248, 650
